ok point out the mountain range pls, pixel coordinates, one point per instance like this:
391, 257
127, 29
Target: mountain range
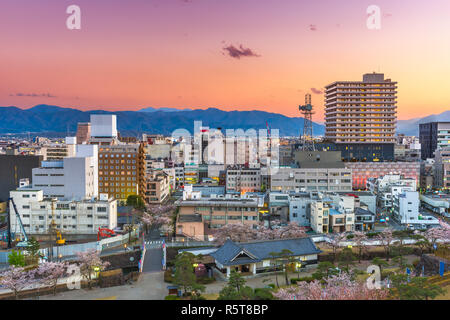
46, 119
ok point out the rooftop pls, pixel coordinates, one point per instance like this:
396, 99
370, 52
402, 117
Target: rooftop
235, 253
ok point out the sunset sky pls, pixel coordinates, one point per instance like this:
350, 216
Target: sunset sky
227, 54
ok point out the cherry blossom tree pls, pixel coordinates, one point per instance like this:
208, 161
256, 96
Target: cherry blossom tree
159, 216
386, 238
17, 279
49, 273
334, 242
335, 287
360, 240
90, 261
239, 232
432, 235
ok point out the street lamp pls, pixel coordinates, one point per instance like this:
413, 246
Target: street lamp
125, 246
60, 257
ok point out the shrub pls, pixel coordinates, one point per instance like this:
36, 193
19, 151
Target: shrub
350, 236
168, 276
307, 279
263, 294
205, 280
171, 298
372, 234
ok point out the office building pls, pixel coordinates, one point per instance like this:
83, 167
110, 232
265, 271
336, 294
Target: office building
433, 135
121, 170
14, 167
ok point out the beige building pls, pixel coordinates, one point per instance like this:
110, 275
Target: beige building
361, 116
197, 215
320, 216
158, 187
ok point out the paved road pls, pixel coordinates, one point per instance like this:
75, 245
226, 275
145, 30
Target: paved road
150, 286
153, 260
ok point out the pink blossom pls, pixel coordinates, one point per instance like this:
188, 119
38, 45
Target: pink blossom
336, 287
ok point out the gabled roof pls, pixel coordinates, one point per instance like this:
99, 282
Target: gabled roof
232, 253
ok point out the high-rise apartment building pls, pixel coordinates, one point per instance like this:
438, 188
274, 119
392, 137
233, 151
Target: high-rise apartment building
361, 116
433, 135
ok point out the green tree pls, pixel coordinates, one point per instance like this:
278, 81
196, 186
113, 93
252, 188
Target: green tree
398, 253
236, 289
274, 262
184, 273
135, 201
324, 270
346, 258
405, 287
236, 280
380, 263
16, 258
33, 247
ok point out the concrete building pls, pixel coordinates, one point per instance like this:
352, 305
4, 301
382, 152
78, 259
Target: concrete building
299, 208
406, 211
360, 117
438, 203
158, 188
364, 220
362, 171
243, 180
278, 206
427, 174
104, 126
214, 212
442, 168
433, 135
83, 132
311, 179
71, 217
121, 170
14, 167
59, 151
320, 217
388, 187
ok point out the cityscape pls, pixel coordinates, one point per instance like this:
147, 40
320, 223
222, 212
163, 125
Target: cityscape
338, 189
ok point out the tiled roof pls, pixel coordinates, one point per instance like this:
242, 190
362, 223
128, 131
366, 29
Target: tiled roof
260, 250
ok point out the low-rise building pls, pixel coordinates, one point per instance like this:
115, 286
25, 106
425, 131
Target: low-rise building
364, 220
215, 212
243, 180
71, 217
158, 187
406, 211
252, 258
438, 203
311, 179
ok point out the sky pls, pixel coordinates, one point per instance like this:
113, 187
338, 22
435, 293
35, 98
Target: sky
232, 55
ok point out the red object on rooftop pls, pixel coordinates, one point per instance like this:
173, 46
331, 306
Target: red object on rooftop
105, 233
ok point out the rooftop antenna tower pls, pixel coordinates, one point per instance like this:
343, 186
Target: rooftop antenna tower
307, 112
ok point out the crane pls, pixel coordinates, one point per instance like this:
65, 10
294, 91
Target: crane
59, 239
25, 236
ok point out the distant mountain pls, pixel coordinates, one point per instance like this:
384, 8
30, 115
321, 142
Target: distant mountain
46, 119
411, 127
151, 109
